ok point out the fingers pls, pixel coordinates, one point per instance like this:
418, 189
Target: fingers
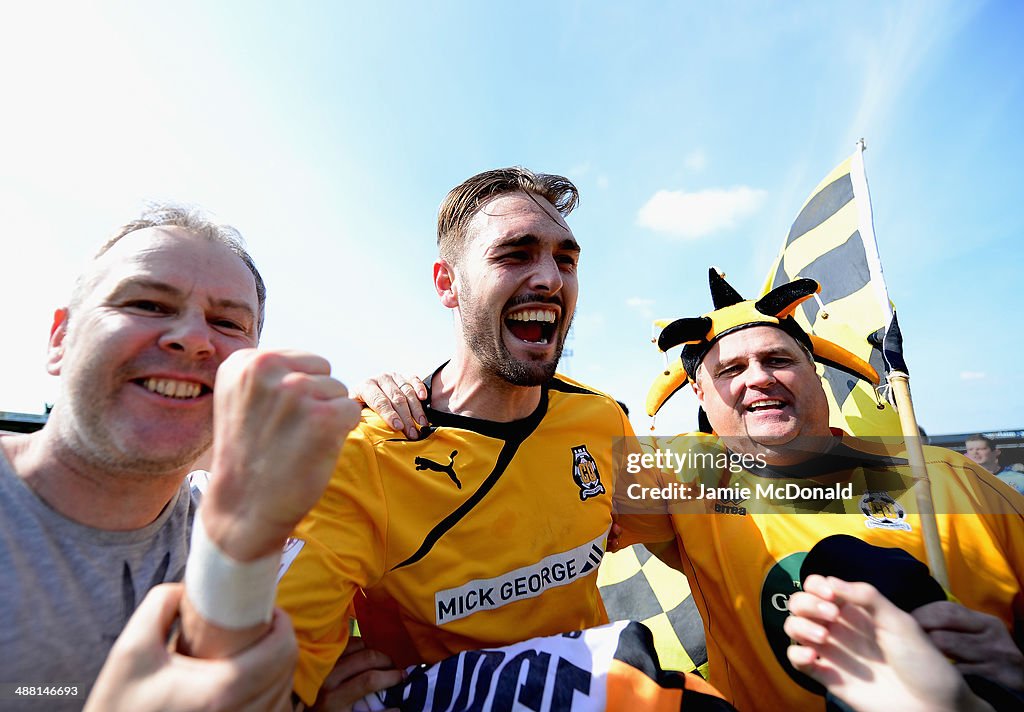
947, 615
275, 655
317, 386
358, 672
280, 421
260, 677
355, 644
804, 630
816, 601
978, 643
151, 623
350, 691
801, 656
614, 535
809, 660
875, 605
396, 399
420, 388
818, 586
355, 662
286, 359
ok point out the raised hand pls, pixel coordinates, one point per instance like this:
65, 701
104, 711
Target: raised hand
280, 420
868, 652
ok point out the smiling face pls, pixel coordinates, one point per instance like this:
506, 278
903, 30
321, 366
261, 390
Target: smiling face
762, 395
515, 287
138, 354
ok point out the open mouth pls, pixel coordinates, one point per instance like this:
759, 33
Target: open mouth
173, 388
534, 326
766, 405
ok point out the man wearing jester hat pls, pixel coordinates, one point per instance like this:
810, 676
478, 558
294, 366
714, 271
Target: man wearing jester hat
752, 368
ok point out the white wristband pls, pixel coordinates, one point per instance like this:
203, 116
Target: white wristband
228, 593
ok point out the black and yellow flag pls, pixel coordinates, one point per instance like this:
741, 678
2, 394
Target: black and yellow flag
832, 241
637, 586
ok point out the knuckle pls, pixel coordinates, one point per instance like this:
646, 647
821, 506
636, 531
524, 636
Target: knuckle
376, 679
379, 659
263, 360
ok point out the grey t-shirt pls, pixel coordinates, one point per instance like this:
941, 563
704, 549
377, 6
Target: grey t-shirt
67, 590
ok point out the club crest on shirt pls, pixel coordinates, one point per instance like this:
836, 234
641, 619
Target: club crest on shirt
585, 474
883, 512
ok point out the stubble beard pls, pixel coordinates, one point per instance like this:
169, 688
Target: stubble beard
87, 425
490, 350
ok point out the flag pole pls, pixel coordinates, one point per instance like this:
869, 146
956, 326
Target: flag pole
899, 381
898, 376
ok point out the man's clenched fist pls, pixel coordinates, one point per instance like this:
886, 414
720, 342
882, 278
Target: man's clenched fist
279, 423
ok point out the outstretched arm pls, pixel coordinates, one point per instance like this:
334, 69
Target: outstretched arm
279, 423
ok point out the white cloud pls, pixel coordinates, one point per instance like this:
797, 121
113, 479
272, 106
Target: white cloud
602, 181
972, 375
692, 215
696, 161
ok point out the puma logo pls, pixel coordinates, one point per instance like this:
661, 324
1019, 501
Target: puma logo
423, 463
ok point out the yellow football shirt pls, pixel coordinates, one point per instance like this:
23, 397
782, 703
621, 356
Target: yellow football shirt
742, 555
480, 534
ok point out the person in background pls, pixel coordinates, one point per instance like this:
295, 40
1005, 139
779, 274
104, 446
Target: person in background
983, 450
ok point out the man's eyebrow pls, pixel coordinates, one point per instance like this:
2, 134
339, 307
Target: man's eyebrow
725, 363
143, 283
127, 285
568, 244
518, 241
779, 351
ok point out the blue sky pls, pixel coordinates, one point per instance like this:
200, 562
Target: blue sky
329, 134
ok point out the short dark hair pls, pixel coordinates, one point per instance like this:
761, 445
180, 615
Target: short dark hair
195, 221
465, 199
983, 438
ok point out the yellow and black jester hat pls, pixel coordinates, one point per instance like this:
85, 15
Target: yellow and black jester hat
732, 313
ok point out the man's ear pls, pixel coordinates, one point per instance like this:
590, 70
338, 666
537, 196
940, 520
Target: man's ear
446, 283
698, 391
55, 348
